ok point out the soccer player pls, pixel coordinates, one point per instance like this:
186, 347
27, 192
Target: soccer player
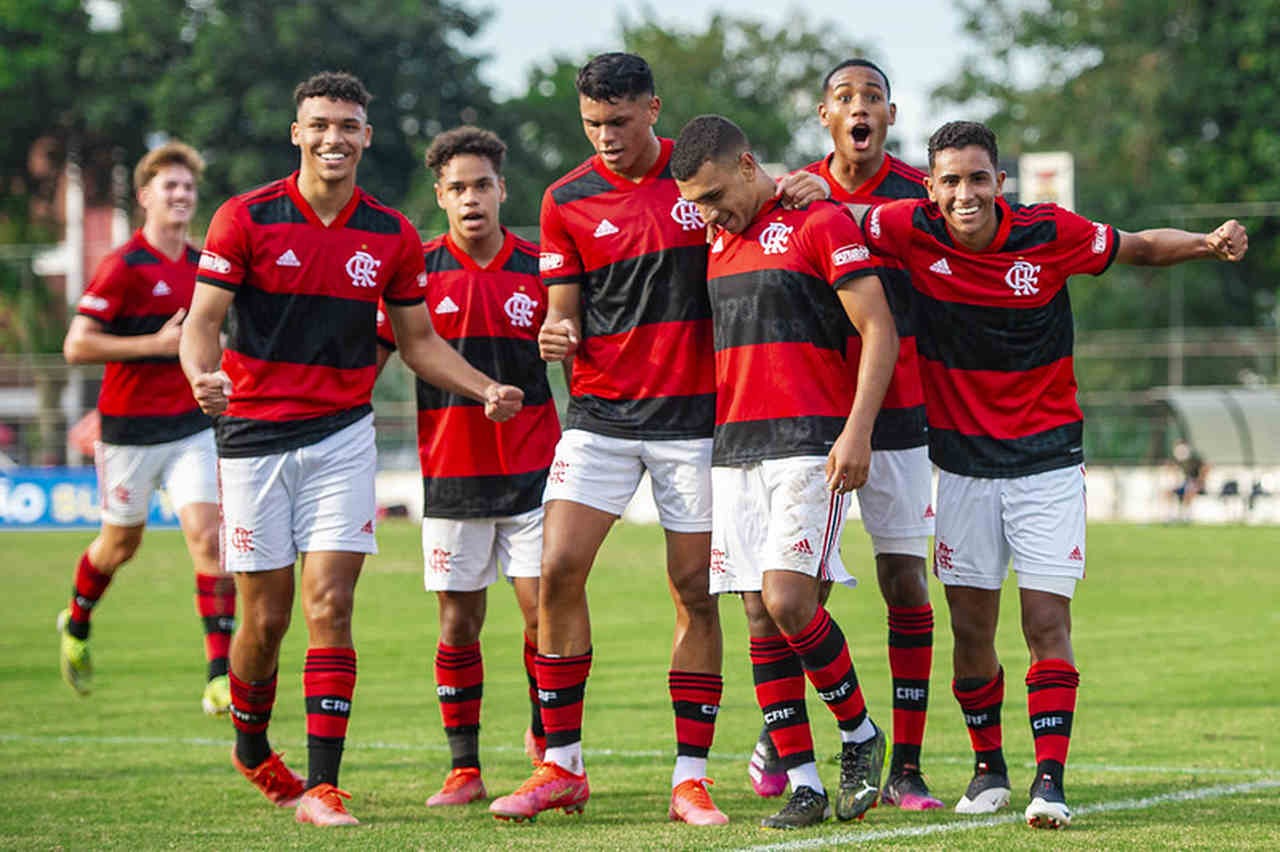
299, 264
482, 481
995, 340
896, 501
153, 433
792, 437
625, 261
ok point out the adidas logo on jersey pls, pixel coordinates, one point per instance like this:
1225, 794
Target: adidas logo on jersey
718, 245
161, 289
802, 547
928, 511
447, 306
288, 259
605, 228
1076, 555
367, 529
941, 267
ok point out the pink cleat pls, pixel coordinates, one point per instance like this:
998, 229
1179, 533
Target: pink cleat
280, 784
534, 746
551, 786
908, 791
768, 779
691, 803
322, 805
462, 786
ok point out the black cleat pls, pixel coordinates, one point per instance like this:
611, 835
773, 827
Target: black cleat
806, 807
860, 767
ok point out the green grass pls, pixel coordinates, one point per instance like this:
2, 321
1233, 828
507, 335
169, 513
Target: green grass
1176, 631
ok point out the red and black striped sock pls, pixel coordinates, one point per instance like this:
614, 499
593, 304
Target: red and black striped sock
1051, 703
562, 686
980, 701
251, 705
87, 589
531, 673
328, 682
216, 605
910, 664
779, 679
460, 687
823, 651
695, 698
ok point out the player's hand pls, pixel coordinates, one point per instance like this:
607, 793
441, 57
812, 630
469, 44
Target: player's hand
169, 335
1228, 241
557, 340
212, 391
800, 189
848, 462
502, 402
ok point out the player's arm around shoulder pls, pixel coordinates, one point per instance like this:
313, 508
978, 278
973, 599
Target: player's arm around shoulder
437, 363
1167, 246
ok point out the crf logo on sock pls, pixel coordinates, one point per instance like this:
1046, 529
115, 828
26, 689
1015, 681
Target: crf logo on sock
445, 691
547, 696
839, 692
779, 715
977, 720
335, 705
1045, 723
910, 693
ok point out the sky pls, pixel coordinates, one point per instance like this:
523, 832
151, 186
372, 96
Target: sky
917, 42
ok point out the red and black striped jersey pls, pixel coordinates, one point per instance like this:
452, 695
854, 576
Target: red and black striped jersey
135, 290
901, 423
301, 350
471, 466
783, 387
644, 366
996, 332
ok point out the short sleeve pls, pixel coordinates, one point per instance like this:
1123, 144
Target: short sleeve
1087, 247
108, 291
386, 334
226, 255
558, 258
888, 227
838, 245
408, 284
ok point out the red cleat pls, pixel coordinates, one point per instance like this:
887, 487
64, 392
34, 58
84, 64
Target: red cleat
322, 805
462, 786
281, 785
691, 803
550, 786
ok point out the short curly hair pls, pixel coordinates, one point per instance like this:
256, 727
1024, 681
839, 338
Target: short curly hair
336, 85
465, 140
962, 134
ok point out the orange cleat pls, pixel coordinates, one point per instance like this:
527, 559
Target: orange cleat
462, 786
281, 785
550, 786
322, 805
691, 803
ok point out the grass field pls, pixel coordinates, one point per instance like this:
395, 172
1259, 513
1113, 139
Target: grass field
1176, 741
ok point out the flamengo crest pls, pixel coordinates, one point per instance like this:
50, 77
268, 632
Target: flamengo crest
1022, 278
686, 214
363, 269
773, 239
520, 308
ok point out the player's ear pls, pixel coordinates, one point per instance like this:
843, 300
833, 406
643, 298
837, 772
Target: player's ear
439, 194
893, 113
294, 132
502, 189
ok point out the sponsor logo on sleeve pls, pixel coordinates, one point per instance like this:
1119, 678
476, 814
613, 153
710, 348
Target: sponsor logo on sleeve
550, 261
1099, 238
852, 253
214, 263
90, 302
873, 224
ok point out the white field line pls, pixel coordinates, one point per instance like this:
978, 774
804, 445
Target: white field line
853, 837
647, 754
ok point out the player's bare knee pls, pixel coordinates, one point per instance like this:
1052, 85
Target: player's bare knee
903, 580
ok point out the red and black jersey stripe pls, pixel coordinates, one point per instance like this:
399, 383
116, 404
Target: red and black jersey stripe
471, 466
301, 330
135, 291
901, 423
644, 366
783, 387
996, 332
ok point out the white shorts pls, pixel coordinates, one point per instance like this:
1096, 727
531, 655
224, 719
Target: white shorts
464, 554
317, 497
896, 503
1038, 521
128, 474
775, 515
603, 472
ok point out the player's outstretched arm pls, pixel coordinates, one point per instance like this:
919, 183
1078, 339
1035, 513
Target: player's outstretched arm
437, 363
88, 342
200, 348
1167, 246
850, 458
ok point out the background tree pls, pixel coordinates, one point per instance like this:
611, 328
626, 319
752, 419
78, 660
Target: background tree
765, 78
1164, 106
